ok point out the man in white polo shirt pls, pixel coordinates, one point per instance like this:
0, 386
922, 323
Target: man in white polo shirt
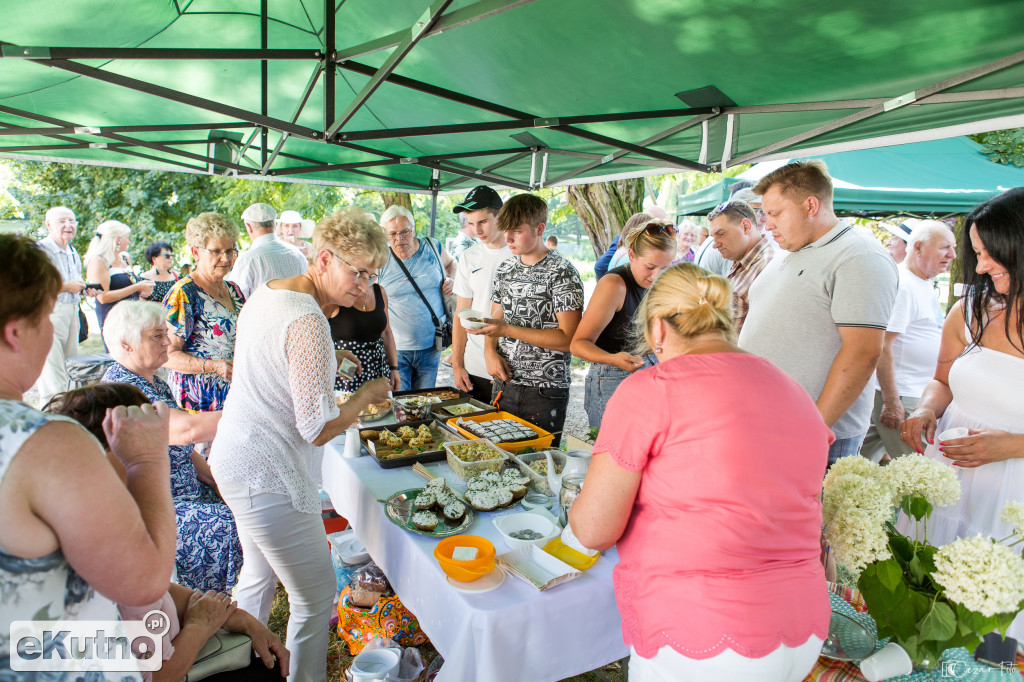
820, 311
62, 227
474, 277
912, 338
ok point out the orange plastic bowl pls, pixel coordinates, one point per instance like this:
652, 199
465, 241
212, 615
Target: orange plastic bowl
465, 571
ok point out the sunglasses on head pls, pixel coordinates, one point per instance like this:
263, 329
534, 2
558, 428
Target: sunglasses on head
660, 228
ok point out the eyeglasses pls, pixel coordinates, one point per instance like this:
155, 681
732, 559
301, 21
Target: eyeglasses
661, 228
404, 234
217, 253
66, 221
360, 274
166, 255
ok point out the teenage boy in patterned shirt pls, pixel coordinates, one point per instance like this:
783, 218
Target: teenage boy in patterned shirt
537, 303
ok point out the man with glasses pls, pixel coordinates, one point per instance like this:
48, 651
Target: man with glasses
62, 227
268, 257
417, 275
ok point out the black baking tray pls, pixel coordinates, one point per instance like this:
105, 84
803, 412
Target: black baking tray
425, 391
446, 435
439, 411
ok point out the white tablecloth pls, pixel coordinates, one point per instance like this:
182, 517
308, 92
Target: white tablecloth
513, 633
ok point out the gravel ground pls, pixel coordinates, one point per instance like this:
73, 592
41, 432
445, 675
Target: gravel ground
575, 418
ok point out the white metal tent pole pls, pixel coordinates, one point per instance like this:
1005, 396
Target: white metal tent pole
533, 168
544, 171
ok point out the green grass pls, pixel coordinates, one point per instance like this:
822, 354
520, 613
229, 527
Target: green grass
338, 657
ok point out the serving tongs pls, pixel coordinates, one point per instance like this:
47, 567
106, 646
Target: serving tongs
401, 511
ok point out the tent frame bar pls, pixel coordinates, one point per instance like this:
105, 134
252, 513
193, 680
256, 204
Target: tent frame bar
415, 32
883, 107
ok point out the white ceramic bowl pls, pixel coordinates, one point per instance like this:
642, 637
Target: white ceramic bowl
512, 523
463, 314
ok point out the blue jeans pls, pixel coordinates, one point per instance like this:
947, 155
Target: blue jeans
418, 368
845, 447
602, 380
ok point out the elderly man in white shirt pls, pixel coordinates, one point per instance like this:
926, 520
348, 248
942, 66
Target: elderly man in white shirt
61, 225
269, 257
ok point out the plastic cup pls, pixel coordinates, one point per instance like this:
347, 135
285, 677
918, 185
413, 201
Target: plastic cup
890, 661
950, 434
352, 444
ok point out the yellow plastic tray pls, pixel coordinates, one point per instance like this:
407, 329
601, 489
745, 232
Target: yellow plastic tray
577, 560
543, 439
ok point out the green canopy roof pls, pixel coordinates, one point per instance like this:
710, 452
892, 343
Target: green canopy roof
936, 177
418, 96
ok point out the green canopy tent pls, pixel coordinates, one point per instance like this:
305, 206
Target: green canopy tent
923, 178
439, 96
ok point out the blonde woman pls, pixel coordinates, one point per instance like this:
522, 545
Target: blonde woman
269, 446
202, 311
605, 332
104, 266
716, 515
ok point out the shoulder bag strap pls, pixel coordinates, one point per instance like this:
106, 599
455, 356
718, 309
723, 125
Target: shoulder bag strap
412, 281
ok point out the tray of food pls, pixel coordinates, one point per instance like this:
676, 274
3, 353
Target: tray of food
397, 446
461, 407
372, 412
536, 466
504, 429
471, 457
434, 510
491, 490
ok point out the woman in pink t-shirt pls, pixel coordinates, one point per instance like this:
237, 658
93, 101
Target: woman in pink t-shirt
707, 473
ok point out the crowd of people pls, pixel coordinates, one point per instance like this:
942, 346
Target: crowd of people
728, 369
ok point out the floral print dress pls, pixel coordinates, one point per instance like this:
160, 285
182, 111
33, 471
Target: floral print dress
47, 587
209, 553
208, 329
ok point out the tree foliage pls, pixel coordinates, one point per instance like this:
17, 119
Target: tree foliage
1003, 146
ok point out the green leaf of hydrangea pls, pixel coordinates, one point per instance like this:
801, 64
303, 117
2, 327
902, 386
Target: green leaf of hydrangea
939, 624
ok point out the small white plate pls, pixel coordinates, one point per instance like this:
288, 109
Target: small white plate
352, 551
484, 583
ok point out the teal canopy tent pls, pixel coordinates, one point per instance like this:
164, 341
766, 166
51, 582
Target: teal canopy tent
924, 178
420, 96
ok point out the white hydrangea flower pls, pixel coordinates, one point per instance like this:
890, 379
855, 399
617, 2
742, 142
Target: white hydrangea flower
850, 491
1013, 514
857, 538
862, 466
922, 476
980, 574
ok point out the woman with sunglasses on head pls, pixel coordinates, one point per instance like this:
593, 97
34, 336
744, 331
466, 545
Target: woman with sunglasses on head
160, 257
605, 332
203, 313
105, 264
269, 445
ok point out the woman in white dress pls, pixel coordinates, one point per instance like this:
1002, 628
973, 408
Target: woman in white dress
267, 454
979, 380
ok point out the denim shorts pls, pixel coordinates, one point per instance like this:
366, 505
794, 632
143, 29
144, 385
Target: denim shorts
602, 380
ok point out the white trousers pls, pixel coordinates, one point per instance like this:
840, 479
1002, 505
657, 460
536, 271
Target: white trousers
785, 664
54, 378
280, 542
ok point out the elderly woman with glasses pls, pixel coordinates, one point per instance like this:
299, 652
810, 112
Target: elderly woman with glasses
203, 313
160, 256
269, 445
209, 554
606, 331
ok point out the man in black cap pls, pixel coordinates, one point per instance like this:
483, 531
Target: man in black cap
474, 276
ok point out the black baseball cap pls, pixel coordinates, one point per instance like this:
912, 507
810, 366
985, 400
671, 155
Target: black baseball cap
478, 198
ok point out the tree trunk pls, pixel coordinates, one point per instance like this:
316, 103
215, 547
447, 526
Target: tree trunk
403, 199
604, 207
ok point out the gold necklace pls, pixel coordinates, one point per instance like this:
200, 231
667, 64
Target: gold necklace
363, 303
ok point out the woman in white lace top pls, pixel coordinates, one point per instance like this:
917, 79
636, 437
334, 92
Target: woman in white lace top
281, 411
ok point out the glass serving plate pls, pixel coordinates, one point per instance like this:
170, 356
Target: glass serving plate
399, 510
847, 640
